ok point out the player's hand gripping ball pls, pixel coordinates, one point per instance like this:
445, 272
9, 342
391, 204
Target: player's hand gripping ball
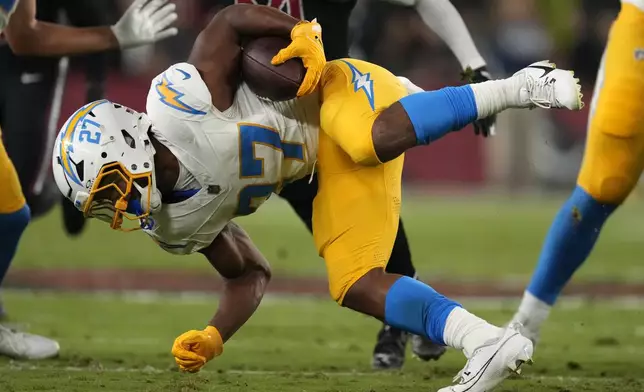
306, 44
275, 82
193, 349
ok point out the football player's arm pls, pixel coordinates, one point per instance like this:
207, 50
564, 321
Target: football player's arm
216, 52
246, 274
143, 23
444, 19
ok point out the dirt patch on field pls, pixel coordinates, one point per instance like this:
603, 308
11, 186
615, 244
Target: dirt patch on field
175, 281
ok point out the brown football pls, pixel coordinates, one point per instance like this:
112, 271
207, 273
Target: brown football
275, 82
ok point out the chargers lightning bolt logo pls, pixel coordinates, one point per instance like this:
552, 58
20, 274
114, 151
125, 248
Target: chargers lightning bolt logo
172, 98
362, 81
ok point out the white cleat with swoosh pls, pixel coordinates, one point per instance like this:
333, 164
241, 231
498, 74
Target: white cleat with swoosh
543, 85
493, 362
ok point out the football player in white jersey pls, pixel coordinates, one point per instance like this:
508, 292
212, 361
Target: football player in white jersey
143, 23
209, 150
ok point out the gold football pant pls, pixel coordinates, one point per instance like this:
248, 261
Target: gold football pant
11, 197
357, 207
614, 156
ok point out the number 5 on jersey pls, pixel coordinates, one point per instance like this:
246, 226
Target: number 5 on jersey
252, 136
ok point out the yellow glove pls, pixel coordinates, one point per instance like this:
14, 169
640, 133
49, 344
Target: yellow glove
306, 43
194, 348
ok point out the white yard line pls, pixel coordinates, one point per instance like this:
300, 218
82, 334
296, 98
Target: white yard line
152, 370
199, 298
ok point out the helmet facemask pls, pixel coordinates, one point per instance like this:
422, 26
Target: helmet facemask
122, 199
104, 162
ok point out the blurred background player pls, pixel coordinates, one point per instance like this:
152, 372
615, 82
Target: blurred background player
611, 168
142, 24
443, 18
32, 81
457, 185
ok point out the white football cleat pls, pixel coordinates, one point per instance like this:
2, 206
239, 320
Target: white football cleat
547, 87
527, 327
493, 362
21, 345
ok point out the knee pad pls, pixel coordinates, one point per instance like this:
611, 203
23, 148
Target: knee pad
15, 223
609, 190
612, 166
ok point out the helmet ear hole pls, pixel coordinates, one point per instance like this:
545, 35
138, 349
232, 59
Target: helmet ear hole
80, 170
128, 139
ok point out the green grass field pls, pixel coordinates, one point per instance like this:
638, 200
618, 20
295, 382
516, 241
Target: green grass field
463, 238
113, 343
122, 343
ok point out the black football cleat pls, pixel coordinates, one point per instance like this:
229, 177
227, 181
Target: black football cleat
389, 353
426, 350
73, 220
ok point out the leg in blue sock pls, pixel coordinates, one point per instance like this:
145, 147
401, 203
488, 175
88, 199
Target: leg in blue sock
569, 242
19, 345
433, 114
11, 228
425, 117
417, 308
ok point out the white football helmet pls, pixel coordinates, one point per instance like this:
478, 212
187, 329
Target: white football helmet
103, 162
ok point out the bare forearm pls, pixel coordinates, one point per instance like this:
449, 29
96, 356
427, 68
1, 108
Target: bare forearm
256, 21
240, 299
442, 17
217, 50
48, 39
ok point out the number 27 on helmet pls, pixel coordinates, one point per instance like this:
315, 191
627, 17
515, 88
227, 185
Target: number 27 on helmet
103, 161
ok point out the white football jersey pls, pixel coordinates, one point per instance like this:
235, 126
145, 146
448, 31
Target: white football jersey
239, 157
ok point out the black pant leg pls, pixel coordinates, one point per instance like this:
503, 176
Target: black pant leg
24, 125
400, 259
300, 194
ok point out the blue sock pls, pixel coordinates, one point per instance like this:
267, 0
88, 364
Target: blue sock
569, 242
417, 308
436, 113
11, 228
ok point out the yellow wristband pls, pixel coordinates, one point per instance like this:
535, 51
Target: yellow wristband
214, 334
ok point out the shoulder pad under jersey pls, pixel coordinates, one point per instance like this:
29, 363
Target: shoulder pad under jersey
179, 92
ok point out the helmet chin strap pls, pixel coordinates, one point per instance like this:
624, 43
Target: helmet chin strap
155, 198
145, 126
